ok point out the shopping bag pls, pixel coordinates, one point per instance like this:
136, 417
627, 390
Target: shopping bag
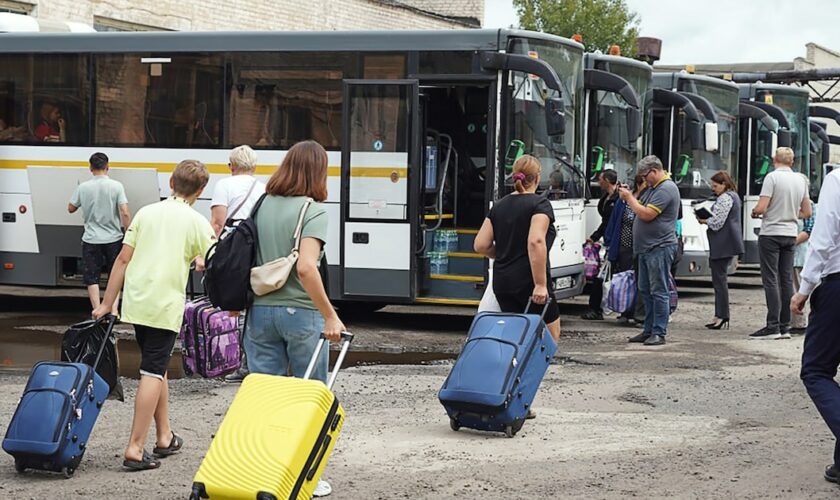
622, 291
591, 260
673, 298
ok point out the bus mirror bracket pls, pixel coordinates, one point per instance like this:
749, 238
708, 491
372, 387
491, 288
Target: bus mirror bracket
596, 79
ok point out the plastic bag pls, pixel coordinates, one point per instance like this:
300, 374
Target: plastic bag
622, 293
488, 300
591, 260
81, 343
673, 298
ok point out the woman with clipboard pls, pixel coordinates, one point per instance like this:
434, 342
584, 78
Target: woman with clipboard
725, 241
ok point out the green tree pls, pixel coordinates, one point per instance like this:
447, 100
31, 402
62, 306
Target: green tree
602, 23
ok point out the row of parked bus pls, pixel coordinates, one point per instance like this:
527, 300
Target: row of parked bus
422, 129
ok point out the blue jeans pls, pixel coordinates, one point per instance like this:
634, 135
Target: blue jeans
654, 269
278, 338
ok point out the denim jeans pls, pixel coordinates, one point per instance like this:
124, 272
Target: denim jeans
280, 338
654, 268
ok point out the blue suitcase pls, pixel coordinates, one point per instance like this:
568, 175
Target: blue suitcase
496, 376
56, 414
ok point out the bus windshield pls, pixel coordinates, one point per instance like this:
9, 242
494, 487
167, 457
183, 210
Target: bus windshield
608, 120
561, 169
694, 168
795, 107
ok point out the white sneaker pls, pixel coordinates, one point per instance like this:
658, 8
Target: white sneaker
322, 489
783, 335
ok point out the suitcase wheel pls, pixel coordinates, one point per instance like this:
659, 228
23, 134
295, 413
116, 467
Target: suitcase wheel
453, 424
509, 431
68, 472
19, 465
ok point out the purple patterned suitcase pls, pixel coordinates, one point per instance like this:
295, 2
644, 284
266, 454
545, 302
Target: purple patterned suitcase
209, 340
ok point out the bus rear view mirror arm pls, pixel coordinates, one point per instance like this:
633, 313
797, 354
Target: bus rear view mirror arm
596, 79
694, 119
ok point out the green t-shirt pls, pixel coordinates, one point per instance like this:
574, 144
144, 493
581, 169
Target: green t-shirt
276, 221
166, 237
100, 198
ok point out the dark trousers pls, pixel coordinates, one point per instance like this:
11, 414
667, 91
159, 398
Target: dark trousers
596, 294
719, 282
821, 357
776, 256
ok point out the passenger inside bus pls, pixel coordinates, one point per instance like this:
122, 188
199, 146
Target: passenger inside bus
11, 134
52, 127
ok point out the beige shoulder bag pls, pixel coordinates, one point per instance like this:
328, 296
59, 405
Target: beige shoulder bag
272, 275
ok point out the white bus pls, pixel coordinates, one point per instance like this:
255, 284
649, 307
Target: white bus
420, 127
695, 133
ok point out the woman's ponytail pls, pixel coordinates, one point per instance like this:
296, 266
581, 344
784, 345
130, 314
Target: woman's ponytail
526, 170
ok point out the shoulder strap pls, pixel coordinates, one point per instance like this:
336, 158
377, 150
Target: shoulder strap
299, 227
247, 195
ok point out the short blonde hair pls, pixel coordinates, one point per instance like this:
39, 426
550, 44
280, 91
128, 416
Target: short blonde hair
243, 158
784, 155
189, 177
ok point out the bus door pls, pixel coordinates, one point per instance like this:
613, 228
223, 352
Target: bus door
379, 159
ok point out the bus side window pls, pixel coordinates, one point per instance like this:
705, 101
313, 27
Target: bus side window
167, 102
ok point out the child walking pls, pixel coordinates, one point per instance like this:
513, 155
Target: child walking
153, 266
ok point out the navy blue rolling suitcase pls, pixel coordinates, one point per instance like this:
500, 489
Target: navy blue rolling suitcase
496, 376
56, 414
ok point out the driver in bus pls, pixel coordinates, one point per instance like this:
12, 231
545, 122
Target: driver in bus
52, 127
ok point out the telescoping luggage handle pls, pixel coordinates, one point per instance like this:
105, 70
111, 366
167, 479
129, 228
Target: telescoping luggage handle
545, 309
346, 338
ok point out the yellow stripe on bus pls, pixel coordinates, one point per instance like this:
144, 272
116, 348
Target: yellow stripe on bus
214, 168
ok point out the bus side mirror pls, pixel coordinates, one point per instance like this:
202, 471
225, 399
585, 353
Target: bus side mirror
785, 139
634, 127
710, 129
555, 117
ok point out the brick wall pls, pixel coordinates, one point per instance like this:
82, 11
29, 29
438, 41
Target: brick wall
213, 15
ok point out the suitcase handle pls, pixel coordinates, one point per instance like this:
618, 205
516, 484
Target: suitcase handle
346, 338
545, 309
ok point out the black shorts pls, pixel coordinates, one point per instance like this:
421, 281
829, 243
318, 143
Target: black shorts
156, 346
517, 301
97, 258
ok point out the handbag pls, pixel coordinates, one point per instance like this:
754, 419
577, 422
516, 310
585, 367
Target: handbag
605, 275
273, 275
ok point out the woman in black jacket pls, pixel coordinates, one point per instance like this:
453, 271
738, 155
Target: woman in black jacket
725, 242
608, 181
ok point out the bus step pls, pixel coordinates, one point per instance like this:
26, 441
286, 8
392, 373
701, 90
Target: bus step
466, 263
457, 277
438, 217
447, 301
441, 286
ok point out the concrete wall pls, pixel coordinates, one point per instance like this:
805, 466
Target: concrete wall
213, 15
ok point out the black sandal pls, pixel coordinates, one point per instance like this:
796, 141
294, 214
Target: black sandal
147, 463
174, 446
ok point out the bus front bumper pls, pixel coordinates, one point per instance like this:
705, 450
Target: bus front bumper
568, 281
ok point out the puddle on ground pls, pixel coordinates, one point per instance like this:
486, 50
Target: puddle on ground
20, 349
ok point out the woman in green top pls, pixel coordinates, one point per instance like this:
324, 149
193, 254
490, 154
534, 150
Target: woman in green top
283, 326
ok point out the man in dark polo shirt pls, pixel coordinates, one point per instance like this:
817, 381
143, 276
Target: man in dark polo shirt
654, 245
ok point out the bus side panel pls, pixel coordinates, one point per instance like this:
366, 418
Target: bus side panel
566, 255
751, 228
17, 231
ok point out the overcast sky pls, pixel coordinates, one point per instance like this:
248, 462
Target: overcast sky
722, 31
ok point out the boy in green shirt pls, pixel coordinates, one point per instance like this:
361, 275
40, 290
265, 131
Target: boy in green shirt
160, 244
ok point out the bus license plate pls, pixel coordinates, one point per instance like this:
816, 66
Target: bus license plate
564, 282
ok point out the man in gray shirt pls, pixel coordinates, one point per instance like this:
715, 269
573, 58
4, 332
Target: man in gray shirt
105, 211
654, 245
783, 201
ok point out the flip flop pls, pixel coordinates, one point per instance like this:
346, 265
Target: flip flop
174, 446
147, 463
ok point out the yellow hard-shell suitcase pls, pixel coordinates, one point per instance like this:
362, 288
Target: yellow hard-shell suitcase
275, 439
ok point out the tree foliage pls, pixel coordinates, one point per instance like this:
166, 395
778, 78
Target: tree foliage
601, 22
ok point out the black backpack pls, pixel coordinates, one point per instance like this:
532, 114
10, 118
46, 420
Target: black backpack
228, 263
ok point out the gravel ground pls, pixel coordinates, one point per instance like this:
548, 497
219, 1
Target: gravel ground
709, 415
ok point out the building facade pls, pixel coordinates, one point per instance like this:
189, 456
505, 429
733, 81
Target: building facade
256, 15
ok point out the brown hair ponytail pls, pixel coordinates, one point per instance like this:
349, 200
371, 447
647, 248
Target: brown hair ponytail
526, 170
